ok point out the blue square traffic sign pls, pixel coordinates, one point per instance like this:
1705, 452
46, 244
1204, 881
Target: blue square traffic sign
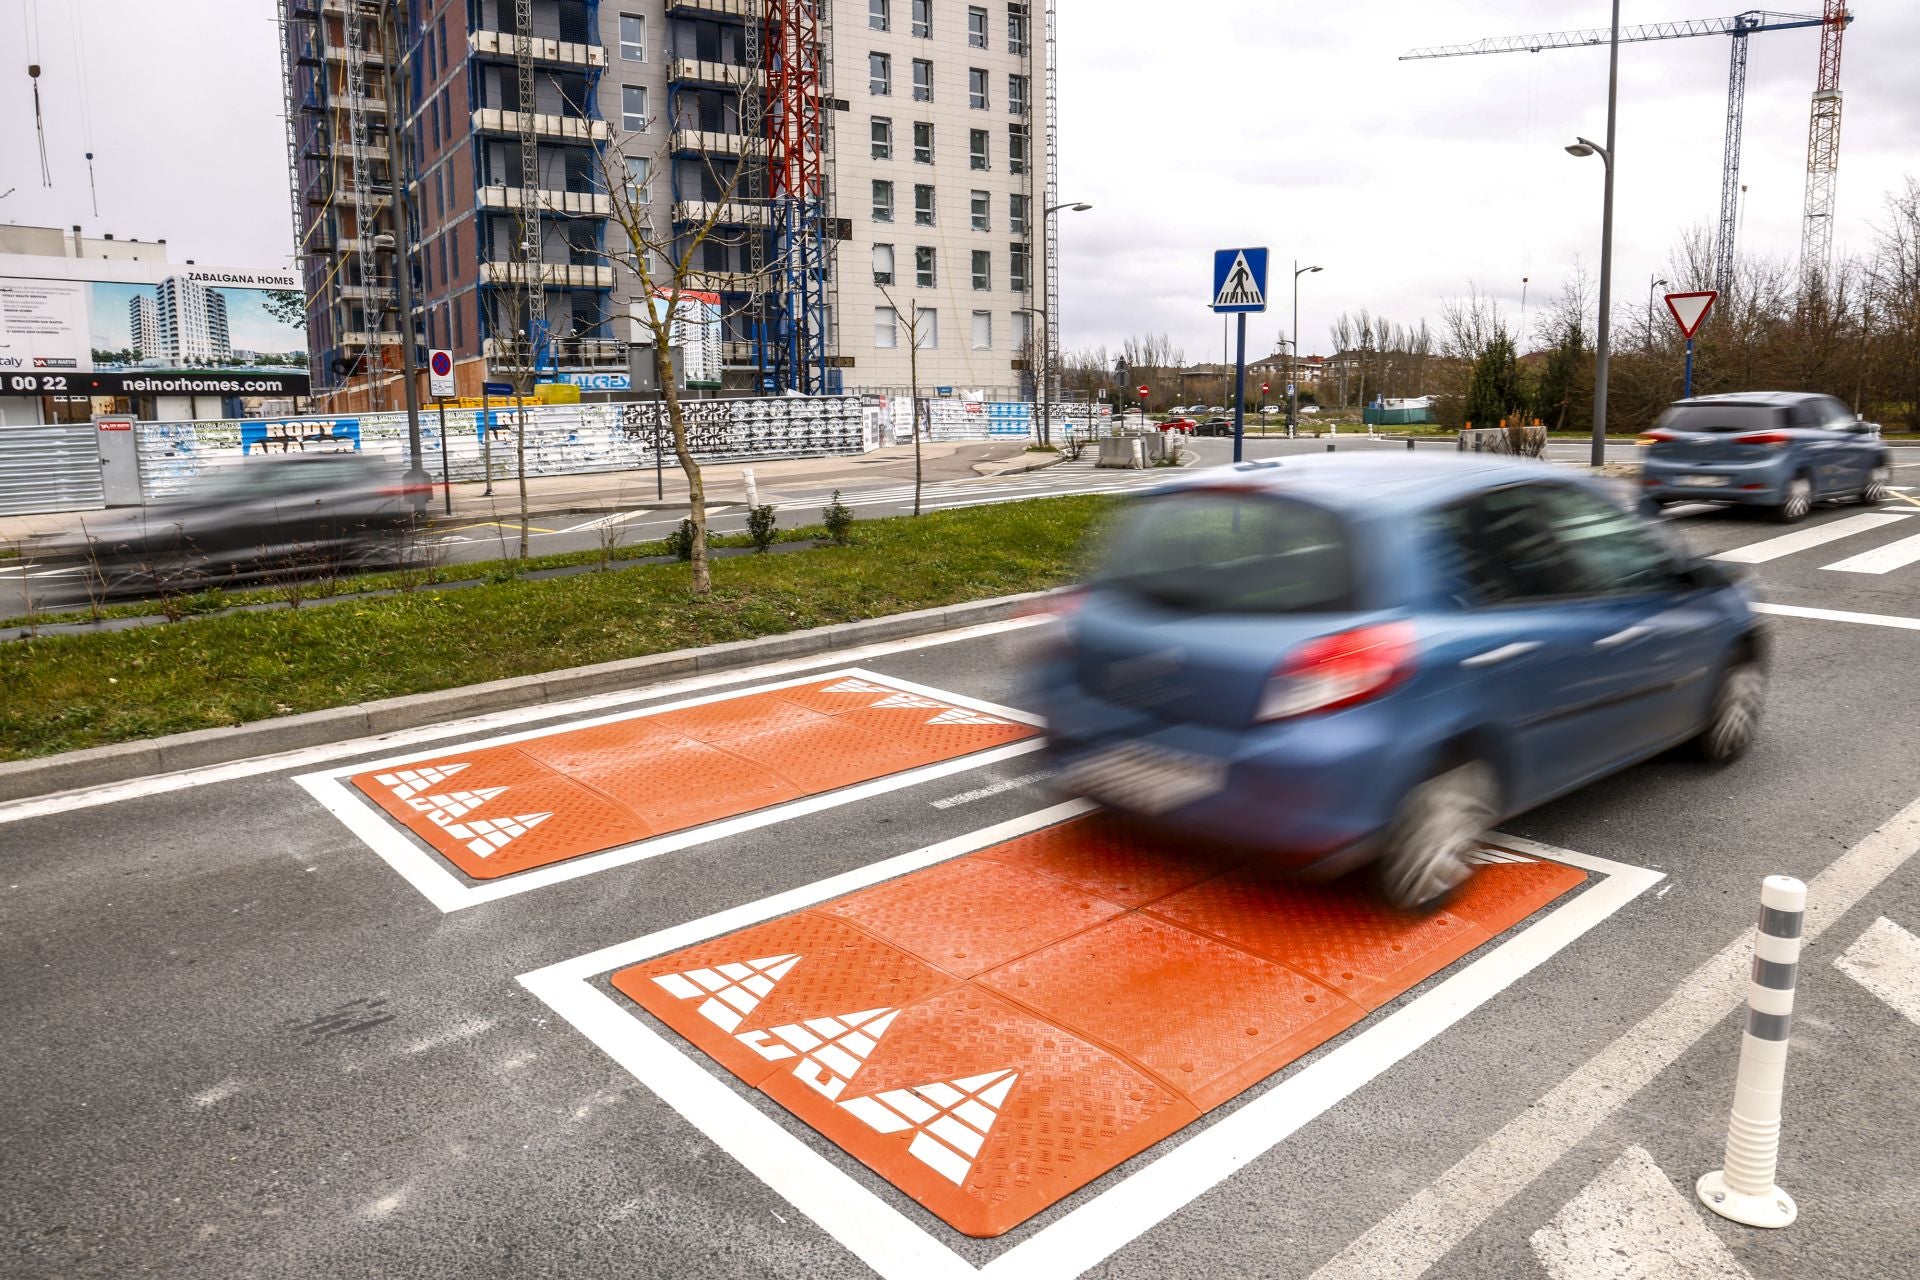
1239, 280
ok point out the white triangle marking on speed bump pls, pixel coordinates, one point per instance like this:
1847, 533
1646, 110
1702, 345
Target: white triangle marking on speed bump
856, 686
1239, 289
950, 1119
731, 991
442, 809
407, 783
831, 1051
485, 837
913, 700
961, 716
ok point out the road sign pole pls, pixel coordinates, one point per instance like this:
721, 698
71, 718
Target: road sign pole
1239, 385
486, 438
1686, 391
446, 462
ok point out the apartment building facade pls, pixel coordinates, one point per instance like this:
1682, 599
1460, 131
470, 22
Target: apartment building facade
518, 122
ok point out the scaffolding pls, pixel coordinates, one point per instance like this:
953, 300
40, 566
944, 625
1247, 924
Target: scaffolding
797, 304
533, 309
1050, 68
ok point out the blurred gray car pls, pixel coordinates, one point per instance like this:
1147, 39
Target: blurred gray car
263, 517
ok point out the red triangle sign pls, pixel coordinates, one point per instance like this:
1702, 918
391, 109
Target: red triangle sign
1689, 309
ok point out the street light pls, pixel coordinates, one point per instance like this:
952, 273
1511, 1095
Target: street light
1046, 340
1582, 147
1652, 284
1293, 382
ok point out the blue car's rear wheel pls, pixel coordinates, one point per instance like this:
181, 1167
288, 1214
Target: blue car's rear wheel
1796, 502
1438, 823
1876, 486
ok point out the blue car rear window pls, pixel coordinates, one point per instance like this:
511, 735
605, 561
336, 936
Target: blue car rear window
1720, 417
1217, 551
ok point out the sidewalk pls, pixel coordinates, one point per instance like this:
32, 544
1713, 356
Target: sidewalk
778, 479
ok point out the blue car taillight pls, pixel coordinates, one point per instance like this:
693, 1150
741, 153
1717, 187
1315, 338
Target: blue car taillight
1340, 670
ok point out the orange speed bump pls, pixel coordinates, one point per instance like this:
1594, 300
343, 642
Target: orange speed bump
492, 811
991, 1033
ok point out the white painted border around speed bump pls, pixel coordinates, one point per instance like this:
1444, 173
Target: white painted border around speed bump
427, 873
895, 1244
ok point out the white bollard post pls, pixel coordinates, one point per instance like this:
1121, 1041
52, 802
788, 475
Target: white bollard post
1744, 1190
753, 489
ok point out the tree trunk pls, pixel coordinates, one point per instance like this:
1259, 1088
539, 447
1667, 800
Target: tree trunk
696, 486
913, 381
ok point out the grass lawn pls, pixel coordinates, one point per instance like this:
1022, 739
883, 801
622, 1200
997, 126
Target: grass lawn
67, 692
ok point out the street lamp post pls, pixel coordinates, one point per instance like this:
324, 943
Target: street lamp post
1046, 319
1582, 147
1293, 377
1652, 284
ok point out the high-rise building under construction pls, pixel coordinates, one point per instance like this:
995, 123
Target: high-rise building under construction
880, 170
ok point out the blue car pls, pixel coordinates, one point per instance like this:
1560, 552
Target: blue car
1781, 450
1339, 659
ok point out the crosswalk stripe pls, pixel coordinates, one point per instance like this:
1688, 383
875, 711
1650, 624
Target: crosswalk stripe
1895, 555
1806, 539
1886, 961
1631, 1224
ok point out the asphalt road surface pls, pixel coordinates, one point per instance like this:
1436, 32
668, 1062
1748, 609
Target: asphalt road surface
261, 1020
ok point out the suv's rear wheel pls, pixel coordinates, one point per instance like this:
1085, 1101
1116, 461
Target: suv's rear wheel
1797, 502
1436, 826
1877, 481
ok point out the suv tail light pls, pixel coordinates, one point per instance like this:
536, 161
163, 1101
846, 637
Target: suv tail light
1340, 670
1655, 437
1773, 439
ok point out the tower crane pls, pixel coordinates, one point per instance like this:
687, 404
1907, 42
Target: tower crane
1823, 143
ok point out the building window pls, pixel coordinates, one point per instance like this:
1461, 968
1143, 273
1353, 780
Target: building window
883, 264
983, 331
977, 28
922, 80
922, 142
886, 327
633, 37
1016, 148
1017, 95
881, 129
977, 149
633, 107
982, 209
1017, 255
923, 19
977, 88
1022, 330
923, 205
880, 15
1017, 214
882, 201
982, 269
879, 74
1016, 28
926, 327
637, 174
924, 275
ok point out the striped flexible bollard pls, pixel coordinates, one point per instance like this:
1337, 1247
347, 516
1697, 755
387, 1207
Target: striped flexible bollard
1744, 1189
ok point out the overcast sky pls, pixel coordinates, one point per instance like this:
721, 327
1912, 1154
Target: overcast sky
1224, 122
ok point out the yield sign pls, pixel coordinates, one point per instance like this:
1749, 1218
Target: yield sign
1689, 309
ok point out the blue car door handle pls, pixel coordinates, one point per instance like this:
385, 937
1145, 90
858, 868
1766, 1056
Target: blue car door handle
1626, 635
1493, 657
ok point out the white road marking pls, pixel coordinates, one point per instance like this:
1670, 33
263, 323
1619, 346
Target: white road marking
1895, 555
180, 780
1631, 1224
447, 891
618, 517
896, 1245
993, 789
1408, 1241
1806, 539
453, 1035
1839, 615
1886, 961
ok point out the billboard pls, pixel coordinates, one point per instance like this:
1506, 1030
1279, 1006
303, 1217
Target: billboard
72, 326
696, 330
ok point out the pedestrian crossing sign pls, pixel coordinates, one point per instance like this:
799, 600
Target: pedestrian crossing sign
1239, 280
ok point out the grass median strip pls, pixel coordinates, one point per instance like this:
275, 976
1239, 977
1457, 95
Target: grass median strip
68, 692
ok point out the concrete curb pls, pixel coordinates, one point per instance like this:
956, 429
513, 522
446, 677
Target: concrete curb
24, 779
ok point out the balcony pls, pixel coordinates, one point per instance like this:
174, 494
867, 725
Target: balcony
737, 354
700, 71
372, 57
557, 274
500, 44
579, 204
723, 281
364, 338
568, 353
572, 128
755, 9
733, 213
709, 143
364, 103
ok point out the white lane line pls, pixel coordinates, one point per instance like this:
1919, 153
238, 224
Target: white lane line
428, 874
181, 780
618, 517
896, 1245
1631, 1224
1839, 615
1886, 961
1426, 1228
1895, 555
1806, 539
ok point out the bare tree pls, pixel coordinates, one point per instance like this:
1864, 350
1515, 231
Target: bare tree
913, 378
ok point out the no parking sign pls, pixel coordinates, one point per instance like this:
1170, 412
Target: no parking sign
439, 373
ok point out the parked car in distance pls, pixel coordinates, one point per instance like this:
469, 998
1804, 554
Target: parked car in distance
1215, 427
1182, 425
1780, 450
1309, 409
1342, 659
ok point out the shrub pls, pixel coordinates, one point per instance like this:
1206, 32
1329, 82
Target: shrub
839, 520
760, 522
680, 541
